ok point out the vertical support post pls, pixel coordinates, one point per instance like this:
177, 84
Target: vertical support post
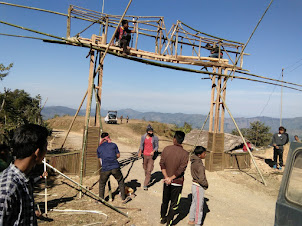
68, 22
88, 109
104, 35
223, 100
217, 104
241, 59
219, 50
176, 41
99, 93
136, 39
212, 100
199, 47
160, 36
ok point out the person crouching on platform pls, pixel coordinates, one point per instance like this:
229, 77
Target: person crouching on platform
148, 146
108, 154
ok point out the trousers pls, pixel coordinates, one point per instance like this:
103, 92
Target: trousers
196, 209
148, 165
117, 174
278, 153
171, 194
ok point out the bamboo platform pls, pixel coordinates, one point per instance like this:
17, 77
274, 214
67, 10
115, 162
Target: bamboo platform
179, 59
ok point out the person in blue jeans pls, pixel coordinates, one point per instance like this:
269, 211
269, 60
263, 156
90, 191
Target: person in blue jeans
108, 154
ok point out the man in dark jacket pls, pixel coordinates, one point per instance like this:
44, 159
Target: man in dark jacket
279, 139
173, 163
199, 185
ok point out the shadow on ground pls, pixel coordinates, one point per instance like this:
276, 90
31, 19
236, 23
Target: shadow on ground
155, 177
184, 209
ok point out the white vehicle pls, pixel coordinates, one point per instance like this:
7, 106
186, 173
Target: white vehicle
111, 117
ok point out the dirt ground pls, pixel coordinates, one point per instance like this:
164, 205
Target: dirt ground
234, 197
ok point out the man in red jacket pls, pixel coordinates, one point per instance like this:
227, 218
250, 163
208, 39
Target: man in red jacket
173, 163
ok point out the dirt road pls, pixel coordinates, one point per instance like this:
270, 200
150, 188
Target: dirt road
233, 198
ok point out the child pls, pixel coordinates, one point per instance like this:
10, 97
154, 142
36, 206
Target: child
199, 184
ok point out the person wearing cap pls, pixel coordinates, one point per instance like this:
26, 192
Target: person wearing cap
148, 146
108, 154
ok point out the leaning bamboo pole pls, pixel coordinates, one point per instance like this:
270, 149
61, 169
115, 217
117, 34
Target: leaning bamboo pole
43, 10
73, 120
86, 190
252, 157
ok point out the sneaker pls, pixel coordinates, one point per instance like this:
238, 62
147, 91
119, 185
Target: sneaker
280, 168
275, 166
163, 220
145, 188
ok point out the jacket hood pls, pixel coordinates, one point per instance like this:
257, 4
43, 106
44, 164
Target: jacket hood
194, 158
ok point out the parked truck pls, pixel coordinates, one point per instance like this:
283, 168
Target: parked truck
289, 202
111, 117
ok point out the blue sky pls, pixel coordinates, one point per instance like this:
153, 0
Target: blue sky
60, 73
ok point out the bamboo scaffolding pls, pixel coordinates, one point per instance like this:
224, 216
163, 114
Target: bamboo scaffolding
86, 190
209, 34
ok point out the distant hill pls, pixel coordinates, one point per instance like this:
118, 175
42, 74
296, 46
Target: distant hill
293, 125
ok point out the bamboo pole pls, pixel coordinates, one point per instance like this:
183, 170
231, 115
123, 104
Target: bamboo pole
73, 120
45, 178
212, 100
217, 103
176, 42
160, 36
252, 157
43, 10
136, 39
222, 106
68, 21
86, 190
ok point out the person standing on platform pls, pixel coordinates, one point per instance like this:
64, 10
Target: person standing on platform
108, 154
173, 163
148, 147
